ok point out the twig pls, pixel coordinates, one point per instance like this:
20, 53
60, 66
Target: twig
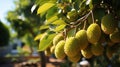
92, 16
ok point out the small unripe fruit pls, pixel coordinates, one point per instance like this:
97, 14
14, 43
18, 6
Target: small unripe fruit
75, 58
115, 37
71, 47
52, 49
108, 24
97, 49
59, 50
109, 52
82, 39
93, 33
87, 52
57, 38
72, 15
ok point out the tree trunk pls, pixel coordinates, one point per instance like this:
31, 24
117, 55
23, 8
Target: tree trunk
43, 59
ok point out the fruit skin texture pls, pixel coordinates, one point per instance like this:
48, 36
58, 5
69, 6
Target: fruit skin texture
71, 47
57, 38
59, 50
108, 24
82, 39
97, 49
72, 15
75, 58
93, 33
115, 37
87, 52
52, 49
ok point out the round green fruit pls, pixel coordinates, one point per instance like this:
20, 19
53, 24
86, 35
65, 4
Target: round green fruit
108, 24
71, 47
57, 38
72, 15
82, 39
87, 52
109, 52
75, 58
93, 33
115, 37
59, 50
97, 49
52, 49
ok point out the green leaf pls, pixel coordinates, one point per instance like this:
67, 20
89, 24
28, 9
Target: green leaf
38, 37
71, 33
52, 12
52, 19
59, 28
46, 40
41, 2
44, 27
44, 7
59, 22
91, 5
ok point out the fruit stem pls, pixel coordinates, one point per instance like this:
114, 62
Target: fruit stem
84, 25
82, 19
92, 16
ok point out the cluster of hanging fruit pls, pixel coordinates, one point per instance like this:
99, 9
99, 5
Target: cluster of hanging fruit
93, 41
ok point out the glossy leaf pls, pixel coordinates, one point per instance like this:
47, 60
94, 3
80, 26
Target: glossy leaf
52, 19
44, 7
38, 37
46, 40
53, 11
59, 28
44, 27
71, 33
59, 22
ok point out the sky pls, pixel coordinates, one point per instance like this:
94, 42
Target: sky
5, 6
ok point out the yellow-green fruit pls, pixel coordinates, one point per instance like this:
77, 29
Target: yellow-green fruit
72, 15
93, 33
47, 52
52, 49
109, 52
115, 37
57, 38
97, 49
75, 58
108, 24
71, 47
87, 52
59, 50
82, 39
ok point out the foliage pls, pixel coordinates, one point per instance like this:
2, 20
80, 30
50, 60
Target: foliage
4, 35
21, 18
24, 22
70, 16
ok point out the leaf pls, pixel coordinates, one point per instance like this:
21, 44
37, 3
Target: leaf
41, 2
44, 7
52, 12
44, 27
46, 40
52, 19
90, 5
59, 28
38, 37
59, 22
71, 32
